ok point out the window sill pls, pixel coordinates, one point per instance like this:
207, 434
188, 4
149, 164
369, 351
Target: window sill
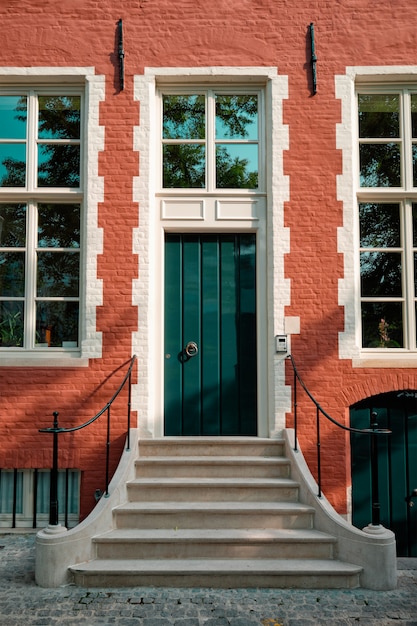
386, 359
36, 359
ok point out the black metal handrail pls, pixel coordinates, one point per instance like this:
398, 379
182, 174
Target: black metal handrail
56, 430
373, 431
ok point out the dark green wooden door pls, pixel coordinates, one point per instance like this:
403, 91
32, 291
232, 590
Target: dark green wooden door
397, 455
210, 306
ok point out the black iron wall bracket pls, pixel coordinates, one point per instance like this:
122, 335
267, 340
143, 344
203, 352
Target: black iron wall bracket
313, 58
121, 54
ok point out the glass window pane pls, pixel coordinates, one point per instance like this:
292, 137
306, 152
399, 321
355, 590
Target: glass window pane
415, 274
184, 117
59, 117
237, 166
380, 165
13, 116
12, 274
382, 325
414, 115
184, 166
380, 274
58, 165
57, 324
414, 225
414, 149
11, 324
13, 225
237, 117
379, 115
58, 274
379, 225
7, 490
12, 165
58, 225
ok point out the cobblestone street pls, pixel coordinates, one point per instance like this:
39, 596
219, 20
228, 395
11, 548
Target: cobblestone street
23, 603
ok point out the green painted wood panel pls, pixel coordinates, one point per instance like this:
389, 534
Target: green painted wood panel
210, 298
397, 455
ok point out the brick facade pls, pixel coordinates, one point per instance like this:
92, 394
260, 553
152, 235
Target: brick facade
311, 242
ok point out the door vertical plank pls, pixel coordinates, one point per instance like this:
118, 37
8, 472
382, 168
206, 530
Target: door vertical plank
173, 335
229, 354
191, 332
210, 335
247, 334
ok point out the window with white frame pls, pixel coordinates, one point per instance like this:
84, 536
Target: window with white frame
210, 139
387, 201
40, 218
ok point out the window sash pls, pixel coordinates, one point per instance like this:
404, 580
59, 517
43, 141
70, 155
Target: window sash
209, 144
33, 145
405, 195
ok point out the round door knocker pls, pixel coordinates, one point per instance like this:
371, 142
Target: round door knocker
191, 349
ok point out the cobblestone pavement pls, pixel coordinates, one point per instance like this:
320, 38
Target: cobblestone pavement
22, 603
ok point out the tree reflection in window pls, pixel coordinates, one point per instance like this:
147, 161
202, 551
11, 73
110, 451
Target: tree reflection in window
58, 141
185, 137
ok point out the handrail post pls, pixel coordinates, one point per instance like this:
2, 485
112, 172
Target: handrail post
106, 495
318, 450
53, 494
295, 412
376, 507
129, 405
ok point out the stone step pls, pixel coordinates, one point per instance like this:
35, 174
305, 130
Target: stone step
221, 466
212, 446
214, 543
213, 515
220, 573
214, 489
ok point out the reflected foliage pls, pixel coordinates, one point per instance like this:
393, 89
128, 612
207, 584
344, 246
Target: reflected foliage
236, 117
58, 274
380, 165
379, 115
58, 163
59, 225
379, 225
184, 135
381, 274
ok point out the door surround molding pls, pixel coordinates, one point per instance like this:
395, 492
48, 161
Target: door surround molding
236, 212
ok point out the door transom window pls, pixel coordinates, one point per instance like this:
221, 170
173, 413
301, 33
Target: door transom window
211, 140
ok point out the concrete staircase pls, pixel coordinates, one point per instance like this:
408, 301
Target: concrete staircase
214, 512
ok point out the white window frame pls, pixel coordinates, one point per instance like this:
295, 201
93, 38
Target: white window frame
210, 140
402, 80
62, 81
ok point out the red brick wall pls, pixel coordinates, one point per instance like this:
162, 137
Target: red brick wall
193, 33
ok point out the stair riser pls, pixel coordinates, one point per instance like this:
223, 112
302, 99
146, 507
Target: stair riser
203, 493
146, 469
180, 447
190, 550
231, 580
209, 519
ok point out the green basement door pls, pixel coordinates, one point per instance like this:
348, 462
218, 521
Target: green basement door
210, 335
397, 475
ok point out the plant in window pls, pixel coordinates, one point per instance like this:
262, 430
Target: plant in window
11, 330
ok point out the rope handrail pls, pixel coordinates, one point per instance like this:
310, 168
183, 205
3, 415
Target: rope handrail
55, 430
373, 431
100, 413
329, 417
